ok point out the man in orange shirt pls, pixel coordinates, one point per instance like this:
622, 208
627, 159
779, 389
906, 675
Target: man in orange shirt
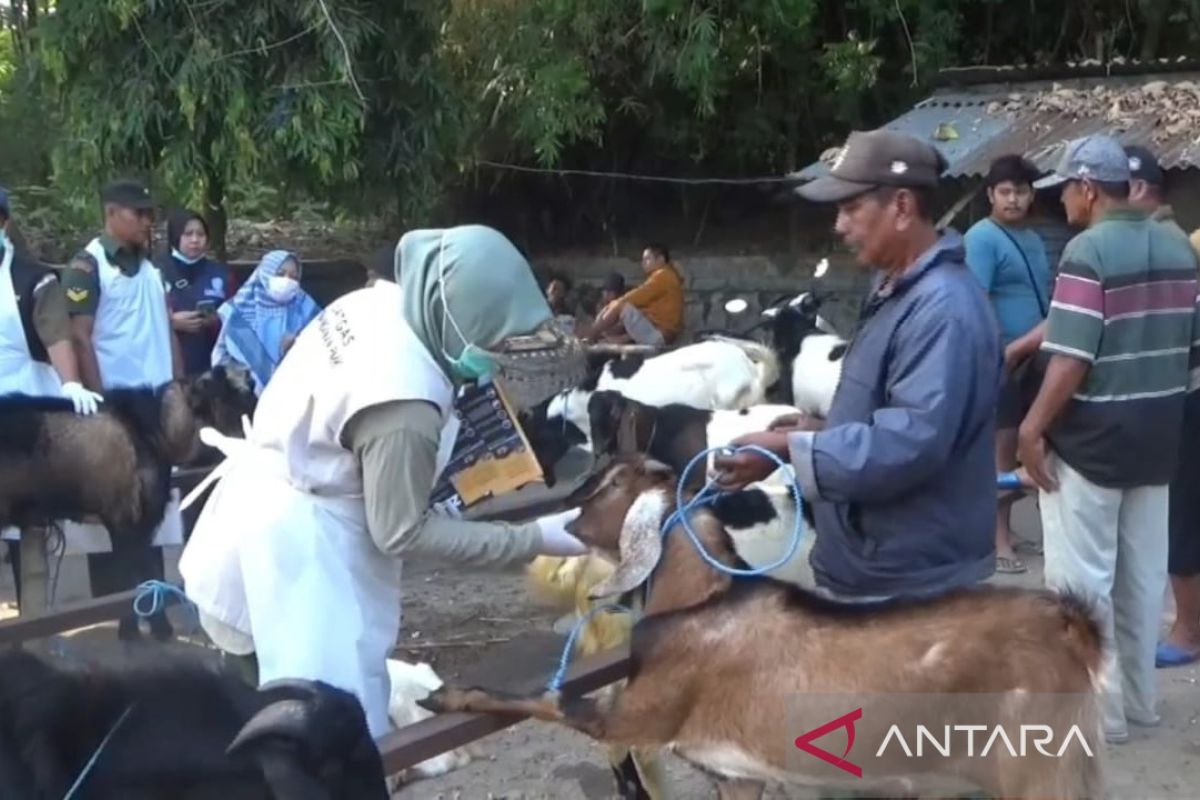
652, 313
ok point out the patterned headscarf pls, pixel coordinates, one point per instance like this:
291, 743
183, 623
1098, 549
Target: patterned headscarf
253, 325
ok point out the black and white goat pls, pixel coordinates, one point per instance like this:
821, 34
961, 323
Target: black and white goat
811, 352
808, 349
179, 731
600, 421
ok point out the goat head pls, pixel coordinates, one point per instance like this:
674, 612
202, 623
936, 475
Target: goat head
621, 516
312, 743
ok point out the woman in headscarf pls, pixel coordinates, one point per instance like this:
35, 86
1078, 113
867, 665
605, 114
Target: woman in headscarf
295, 558
262, 320
196, 286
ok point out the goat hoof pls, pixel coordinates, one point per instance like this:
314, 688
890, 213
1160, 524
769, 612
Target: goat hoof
446, 700
437, 701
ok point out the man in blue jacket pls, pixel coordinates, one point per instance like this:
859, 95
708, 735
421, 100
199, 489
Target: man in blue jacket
901, 476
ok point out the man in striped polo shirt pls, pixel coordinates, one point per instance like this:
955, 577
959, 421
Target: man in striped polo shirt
1101, 438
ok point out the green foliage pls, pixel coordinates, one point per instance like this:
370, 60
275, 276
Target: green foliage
206, 96
269, 108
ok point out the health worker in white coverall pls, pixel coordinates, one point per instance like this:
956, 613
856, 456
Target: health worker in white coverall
295, 559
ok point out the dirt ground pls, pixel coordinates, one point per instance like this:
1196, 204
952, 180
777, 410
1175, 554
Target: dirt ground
481, 627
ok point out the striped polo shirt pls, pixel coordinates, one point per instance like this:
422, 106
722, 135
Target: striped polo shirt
1125, 302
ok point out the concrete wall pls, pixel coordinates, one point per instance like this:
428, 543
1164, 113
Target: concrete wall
713, 280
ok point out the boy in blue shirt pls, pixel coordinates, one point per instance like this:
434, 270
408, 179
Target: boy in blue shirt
1008, 258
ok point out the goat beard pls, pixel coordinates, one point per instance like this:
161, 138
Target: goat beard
640, 545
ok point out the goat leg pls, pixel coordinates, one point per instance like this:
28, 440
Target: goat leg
739, 789
581, 714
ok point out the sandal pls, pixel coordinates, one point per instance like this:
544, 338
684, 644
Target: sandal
1010, 566
1030, 546
1171, 655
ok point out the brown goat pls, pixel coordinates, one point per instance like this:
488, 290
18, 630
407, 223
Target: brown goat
115, 465
731, 674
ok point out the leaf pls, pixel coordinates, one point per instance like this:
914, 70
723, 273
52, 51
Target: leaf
945, 132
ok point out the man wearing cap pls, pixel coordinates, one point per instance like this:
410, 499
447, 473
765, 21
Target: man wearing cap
1100, 440
901, 476
1182, 643
121, 328
1146, 182
36, 357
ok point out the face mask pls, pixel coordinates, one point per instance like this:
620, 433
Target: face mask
473, 363
181, 257
3, 239
282, 289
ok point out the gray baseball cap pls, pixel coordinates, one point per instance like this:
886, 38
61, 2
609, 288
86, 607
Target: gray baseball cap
1096, 158
876, 158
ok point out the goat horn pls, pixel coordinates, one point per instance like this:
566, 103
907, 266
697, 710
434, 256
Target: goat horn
640, 544
290, 689
284, 718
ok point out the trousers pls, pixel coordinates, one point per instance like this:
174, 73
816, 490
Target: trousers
1110, 546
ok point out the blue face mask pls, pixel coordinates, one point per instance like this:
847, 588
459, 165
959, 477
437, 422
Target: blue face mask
473, 364
181, 257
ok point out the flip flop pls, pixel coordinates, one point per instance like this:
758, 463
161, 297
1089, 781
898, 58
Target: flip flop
1030, 547
1010, 566
1170, 655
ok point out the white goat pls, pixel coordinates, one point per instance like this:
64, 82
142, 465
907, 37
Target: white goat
410, 684
717, 374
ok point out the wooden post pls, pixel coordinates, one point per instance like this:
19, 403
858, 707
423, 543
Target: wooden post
35, 572
35, 582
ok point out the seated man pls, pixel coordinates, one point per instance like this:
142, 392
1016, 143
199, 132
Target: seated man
901, 476
652, 313
611, 291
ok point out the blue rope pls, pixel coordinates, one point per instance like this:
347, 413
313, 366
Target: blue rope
564, 660
87, 768
158, 593
705, 497
708, 495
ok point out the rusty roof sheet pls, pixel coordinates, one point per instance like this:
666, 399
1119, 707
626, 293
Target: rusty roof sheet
973, 127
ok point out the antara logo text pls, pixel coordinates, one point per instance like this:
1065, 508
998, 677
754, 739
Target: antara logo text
972, 741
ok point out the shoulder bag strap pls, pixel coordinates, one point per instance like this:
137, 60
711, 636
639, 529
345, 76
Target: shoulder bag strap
1028, 268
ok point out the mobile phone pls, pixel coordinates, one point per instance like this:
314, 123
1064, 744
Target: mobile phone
206, 307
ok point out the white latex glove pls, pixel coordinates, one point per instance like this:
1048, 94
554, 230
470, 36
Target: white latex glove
85, 402
555, 539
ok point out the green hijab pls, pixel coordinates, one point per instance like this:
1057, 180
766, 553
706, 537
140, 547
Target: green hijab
489, 287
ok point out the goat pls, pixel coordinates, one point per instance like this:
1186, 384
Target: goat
809, 351
720, 373
759, 520
179, 731
599, 421
727, 673
116, 464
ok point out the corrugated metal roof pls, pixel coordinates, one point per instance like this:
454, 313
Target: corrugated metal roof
1039, 135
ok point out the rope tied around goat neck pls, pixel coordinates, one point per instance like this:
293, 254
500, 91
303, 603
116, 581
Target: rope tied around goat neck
702, 499
91, 764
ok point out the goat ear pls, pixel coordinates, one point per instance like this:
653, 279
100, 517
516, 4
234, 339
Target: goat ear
658, 470
605, 412
284, 774
640, 544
